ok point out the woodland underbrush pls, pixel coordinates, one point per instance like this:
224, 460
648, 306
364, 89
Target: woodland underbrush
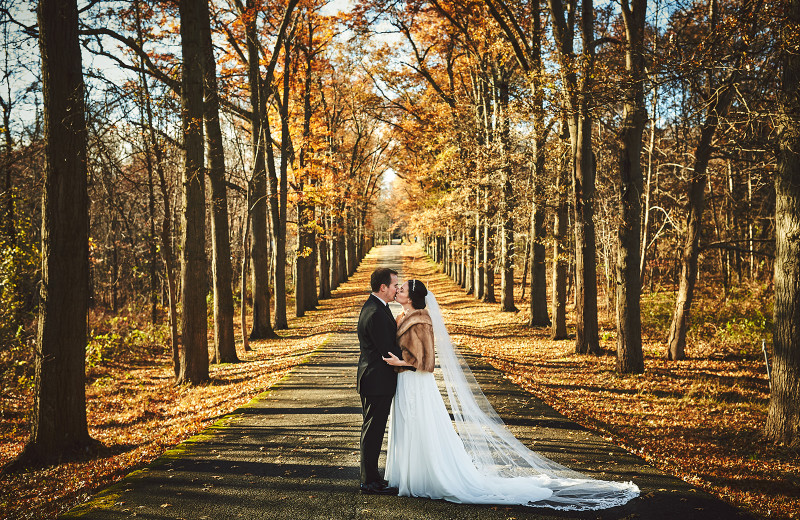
700, 419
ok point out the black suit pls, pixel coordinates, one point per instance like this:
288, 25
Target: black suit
376, 380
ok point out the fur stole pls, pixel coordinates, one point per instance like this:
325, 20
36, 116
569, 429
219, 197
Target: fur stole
415, 338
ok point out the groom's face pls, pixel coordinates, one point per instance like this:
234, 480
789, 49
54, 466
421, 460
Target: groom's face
393, 288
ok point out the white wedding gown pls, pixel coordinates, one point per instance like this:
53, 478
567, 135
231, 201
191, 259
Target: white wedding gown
485, 464
426, 457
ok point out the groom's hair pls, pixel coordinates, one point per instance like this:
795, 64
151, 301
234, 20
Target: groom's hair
381, 276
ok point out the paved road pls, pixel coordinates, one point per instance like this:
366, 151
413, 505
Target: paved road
292, 453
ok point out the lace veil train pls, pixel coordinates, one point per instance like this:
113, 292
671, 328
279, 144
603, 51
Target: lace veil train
494, 449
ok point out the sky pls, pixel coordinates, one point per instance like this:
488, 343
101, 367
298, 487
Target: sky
334, 7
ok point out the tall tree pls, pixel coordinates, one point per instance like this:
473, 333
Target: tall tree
305, 279
224, 342
528, 52
577, 93
783, 417
259, 267
507, 199
58, 420
558, 329
276, 210
279, 187
630, 358
165, 235
262, 204
194, 326
719, 95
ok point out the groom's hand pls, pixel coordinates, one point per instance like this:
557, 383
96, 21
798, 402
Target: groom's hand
397, 362
393, 360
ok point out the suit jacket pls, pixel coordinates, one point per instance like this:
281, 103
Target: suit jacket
377, 336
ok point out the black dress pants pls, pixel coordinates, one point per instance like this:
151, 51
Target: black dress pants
375, 409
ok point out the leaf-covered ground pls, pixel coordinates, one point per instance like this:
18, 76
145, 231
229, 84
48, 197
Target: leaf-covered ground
136, 412
699, 419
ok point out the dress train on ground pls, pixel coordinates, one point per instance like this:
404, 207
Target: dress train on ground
426, 458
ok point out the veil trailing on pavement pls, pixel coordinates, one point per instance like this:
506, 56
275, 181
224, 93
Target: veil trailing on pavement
494, 449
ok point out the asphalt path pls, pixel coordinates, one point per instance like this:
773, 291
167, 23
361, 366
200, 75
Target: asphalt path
292, 453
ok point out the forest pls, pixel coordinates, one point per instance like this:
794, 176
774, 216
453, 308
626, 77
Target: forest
184, 179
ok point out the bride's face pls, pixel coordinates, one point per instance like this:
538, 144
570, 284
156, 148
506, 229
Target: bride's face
402, 294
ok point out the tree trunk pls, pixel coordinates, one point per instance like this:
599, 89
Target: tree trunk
352, 262
151, 238
630, 359
114, 261
312, 300
448, 253
469, 256
691, 246
578, 95
587, 340
279, 266
8, 186
224, 341
479, 266
334, 252
783, 417
507, 207
324, 259
278, 240
538, 308
645, 230
58, 419
300, 259
194, 326
151, 195
559, 303
279, 226
243, 280
488, 252
462, 257
360, 236
259, 254
305, 283
341, 248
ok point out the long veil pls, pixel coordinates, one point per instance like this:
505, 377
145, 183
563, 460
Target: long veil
494, 449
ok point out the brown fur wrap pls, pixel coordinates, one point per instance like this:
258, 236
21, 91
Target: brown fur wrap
415, 338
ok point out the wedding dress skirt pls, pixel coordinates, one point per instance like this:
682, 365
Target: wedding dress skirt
426, 458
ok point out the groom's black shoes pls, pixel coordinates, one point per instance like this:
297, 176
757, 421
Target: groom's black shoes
377, 488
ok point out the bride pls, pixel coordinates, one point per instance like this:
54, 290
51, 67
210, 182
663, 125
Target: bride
478, 461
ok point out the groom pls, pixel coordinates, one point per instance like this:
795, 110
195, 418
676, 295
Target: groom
377, 380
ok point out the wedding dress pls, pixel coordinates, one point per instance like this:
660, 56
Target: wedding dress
477, 461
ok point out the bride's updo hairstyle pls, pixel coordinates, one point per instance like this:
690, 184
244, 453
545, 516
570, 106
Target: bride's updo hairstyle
417, 292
